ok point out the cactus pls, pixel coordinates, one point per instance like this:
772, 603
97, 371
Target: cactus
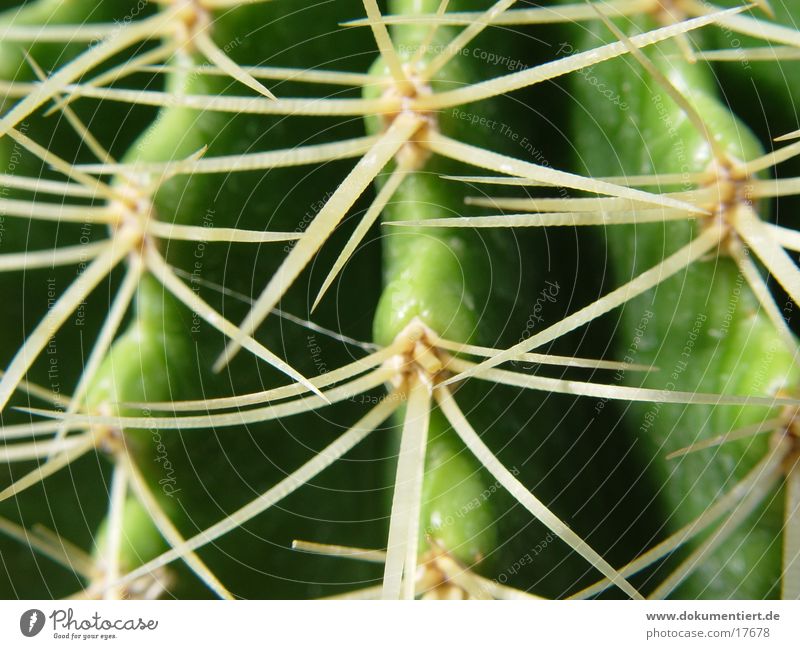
414, 372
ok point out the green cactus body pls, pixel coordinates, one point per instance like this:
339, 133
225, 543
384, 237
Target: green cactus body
448, 280
152, 360
279, 199
706, 331
17, 61
458, 511
461, 284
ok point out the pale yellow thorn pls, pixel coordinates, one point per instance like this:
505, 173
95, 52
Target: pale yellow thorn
155, 183
469, 33
718, 440
555, 219
102, 265
314, 75
497, 162
76, 554
539, 510
790, 580
330, 454
159, 53
652, 180
772, 54
384, 43
33, 429
400, 572
789, 136
65, 256
346, 552
48, 468
603, 203
16, 89
116, 41
105, 338
743, 509
161, 270
691, 252
313, 107
285, 315
215, 55
756, 27
115, 520
240, 401
176, 231
686, 48
620, 392
771, 159
95, 186
531, 76
426, 42
323, 225
786, 237
765, 6
77, 125
369, 381
86, 136
674, 93
722, 505
543, 359
568, 13
774, 188
296, 156
42, 186
755, 233
55, 548
760, 289
35, 450
45, 394
47, 33
57, 211
372, 214
168, 529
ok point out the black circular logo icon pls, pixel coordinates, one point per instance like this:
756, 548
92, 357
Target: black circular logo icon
31, 622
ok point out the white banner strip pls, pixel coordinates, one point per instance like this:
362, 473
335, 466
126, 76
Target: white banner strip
386, 625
